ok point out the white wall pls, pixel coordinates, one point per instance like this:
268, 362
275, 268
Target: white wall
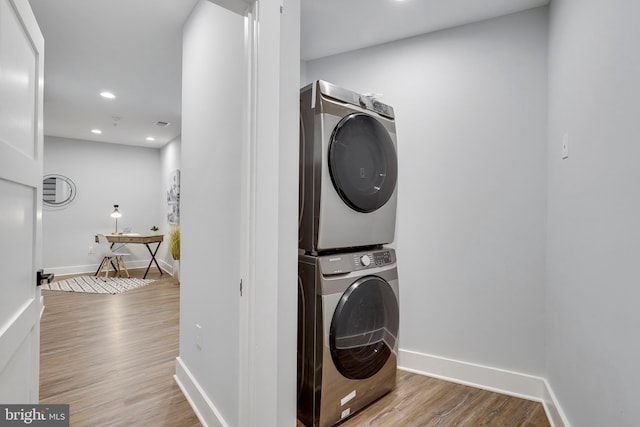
170, 156
593, 250
104, 174
213, 96
246, 223
471, 124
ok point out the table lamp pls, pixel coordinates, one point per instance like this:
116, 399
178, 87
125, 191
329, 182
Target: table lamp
116, 214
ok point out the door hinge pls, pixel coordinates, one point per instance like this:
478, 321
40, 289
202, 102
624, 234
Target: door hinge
240, 287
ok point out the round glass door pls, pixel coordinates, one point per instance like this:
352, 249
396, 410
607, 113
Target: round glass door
363, 162
364, 328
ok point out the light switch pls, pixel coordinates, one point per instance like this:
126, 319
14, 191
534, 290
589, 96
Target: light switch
199, 336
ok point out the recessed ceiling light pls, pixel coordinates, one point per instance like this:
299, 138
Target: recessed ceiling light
98, 131
150, 138
108, 95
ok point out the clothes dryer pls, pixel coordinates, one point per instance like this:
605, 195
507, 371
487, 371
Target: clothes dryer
348, 320
348, 169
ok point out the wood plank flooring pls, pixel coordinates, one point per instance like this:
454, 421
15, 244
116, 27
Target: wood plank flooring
420, 401
112, 358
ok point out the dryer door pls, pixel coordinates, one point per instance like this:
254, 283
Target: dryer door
364, 328
362, 162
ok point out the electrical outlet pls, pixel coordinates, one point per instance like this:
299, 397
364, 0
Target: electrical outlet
565, 146
199, 336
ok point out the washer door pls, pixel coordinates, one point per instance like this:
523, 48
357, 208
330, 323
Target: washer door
362, 162
364, 328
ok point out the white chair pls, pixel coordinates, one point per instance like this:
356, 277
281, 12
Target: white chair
108, 256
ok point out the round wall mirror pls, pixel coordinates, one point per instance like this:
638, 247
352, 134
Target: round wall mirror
57, 191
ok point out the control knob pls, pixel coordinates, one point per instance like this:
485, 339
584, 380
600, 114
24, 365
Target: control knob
365, 260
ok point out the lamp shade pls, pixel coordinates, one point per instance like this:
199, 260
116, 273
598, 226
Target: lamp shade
116, 212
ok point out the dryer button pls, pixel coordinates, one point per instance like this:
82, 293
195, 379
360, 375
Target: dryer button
365, 260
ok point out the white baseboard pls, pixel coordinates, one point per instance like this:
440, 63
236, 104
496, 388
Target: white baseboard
205, 410
492, 379
92, 268
554, 411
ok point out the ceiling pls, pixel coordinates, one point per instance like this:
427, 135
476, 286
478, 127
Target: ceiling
134, 48
131, 48
329, 27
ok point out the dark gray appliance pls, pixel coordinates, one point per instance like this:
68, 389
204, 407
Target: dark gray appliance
348, 320
348, 170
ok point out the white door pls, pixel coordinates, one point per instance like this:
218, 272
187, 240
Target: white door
21, 85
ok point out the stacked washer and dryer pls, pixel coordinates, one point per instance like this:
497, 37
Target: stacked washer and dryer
348, 315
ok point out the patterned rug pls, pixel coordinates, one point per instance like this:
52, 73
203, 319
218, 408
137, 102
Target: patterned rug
96, 285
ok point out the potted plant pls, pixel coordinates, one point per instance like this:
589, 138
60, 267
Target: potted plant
154, 228
174, 250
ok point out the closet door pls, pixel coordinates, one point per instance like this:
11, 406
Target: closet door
21, 80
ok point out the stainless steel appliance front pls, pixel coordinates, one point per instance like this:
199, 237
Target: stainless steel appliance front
348, 321
348, 170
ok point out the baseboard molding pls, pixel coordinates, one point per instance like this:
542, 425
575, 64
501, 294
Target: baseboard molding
205, 410
92, 268
487, 378
556, 415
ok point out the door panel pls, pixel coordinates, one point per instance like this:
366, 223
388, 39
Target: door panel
21, 98
363, 162
18, 82
16, 227
364, 328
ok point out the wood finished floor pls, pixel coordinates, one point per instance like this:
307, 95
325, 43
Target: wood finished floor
112, 358
420, 401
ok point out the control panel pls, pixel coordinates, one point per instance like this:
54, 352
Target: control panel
375, 259
363, 101
345, 263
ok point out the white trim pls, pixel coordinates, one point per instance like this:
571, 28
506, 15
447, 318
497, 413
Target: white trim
246, 395
511, 383
555, 414
484, 377
204, 409
91, 268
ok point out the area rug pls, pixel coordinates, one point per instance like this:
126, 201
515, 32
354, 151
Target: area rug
96, 285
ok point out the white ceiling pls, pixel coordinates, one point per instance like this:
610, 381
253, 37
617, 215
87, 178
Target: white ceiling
329, 27
130, 47
134, 48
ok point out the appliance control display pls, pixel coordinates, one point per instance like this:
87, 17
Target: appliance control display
372, 259
381, 258
383, 109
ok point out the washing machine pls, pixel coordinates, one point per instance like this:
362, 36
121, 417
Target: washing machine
348, 319
348, 169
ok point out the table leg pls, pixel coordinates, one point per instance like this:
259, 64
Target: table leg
153, 259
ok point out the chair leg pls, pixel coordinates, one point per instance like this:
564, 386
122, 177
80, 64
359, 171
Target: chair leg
124, 265
106, 273
118, 271
101, 267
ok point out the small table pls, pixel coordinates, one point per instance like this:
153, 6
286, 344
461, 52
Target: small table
139, 239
